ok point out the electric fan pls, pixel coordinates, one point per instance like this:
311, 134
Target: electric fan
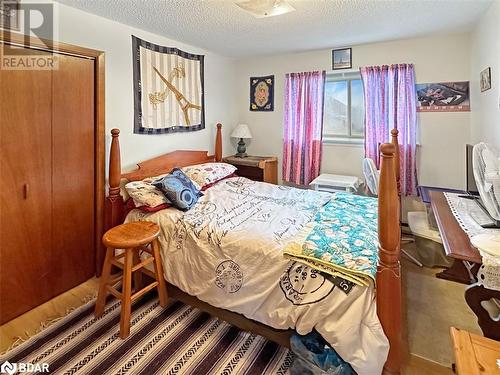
371, 175
486, 166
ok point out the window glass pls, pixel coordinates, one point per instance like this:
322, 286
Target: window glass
357, 109
335, 117
344, 111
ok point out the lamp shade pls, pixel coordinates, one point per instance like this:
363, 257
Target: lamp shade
241, 131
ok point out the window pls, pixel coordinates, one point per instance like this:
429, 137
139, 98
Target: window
344, 109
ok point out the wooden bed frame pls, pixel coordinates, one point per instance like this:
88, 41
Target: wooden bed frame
388, 290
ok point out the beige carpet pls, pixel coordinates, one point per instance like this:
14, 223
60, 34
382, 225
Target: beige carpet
433, 305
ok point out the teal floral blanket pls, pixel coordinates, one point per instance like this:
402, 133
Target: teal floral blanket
341, 240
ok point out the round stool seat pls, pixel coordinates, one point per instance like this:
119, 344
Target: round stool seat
131, 235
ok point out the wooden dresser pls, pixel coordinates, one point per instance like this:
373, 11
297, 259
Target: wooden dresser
257, 168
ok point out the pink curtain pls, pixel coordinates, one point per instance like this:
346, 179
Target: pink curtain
303, 126
390, 102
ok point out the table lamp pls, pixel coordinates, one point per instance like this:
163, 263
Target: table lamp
241, 131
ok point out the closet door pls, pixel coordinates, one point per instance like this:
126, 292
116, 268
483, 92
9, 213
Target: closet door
73, 176
48, 178
25, 192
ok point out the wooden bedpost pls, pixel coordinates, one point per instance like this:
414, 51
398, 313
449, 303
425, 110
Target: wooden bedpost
114, 201
218, 143
394, 141
389, 271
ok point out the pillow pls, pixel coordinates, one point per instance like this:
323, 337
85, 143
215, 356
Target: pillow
130, 205
178, 189
208, 173
204, 188
144, 193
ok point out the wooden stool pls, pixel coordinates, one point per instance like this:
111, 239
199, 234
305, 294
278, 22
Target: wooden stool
132, 238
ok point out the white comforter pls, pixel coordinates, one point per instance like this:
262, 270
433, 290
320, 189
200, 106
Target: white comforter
227, 251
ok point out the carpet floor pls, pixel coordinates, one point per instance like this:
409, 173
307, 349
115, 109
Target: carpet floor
177, 339
433, 306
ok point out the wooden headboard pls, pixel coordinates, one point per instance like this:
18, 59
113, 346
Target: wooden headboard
180, 158
165, 163
115, 205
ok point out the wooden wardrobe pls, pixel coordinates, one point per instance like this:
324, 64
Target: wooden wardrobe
51, 168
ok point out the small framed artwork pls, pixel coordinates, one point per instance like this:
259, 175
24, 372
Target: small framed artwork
342, 58
262, 94
485, 79
9, 14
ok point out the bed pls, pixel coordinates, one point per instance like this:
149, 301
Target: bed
224, 257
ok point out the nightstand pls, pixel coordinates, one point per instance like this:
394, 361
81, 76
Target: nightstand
257, 168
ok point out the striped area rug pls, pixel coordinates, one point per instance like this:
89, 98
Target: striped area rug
177, 339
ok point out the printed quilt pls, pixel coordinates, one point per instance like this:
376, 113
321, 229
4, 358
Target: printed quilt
341, 240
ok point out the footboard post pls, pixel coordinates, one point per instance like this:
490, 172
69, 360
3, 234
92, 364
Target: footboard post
389, 272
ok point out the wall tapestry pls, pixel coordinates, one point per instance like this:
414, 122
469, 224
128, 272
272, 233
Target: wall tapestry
168, 89
443, 97
262, 94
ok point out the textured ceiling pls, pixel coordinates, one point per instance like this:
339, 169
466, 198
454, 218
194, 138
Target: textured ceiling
220, 26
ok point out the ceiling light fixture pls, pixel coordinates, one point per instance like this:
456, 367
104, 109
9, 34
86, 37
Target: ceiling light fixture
265, 8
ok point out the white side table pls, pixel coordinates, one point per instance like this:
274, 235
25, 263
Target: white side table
335, 182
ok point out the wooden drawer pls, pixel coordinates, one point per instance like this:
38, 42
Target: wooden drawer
257, 168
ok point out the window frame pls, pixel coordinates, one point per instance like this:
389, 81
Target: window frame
348, 139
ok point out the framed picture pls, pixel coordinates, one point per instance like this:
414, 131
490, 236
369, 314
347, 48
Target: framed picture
262, 94
168, 89
342, 58
443, 97
9, 14
485, 79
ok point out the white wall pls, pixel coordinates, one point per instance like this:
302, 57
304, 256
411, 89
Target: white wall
441, 58
88, 30
485, 52
441, 159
